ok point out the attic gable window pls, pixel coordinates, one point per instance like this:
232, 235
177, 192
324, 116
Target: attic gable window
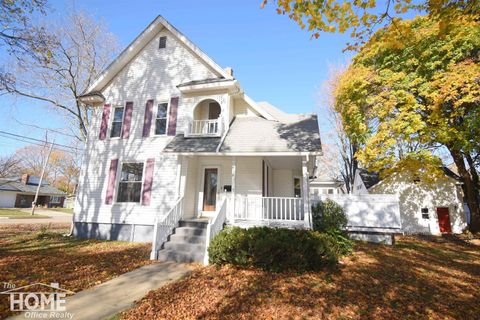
162, 43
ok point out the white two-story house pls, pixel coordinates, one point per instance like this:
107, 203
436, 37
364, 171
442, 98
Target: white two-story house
176, 150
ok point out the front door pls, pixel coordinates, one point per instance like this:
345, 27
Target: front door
444, 220
210, 189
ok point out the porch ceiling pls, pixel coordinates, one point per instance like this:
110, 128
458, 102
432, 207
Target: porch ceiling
285, 162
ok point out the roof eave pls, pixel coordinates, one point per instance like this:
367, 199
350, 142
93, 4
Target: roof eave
230, 85
139, 42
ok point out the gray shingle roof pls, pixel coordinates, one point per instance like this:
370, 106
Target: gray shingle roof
10, 185
182, 144
369, 178
254, 134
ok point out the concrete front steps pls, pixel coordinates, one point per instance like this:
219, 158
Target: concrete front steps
186, 243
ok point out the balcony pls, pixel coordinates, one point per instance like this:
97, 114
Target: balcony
207, 120
204, 128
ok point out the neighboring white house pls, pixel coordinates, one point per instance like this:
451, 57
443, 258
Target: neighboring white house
324, 185
425, 208
19, 192
174, 140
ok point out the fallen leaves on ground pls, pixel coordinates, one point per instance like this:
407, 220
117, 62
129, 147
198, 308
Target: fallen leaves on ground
419, 278
33, 253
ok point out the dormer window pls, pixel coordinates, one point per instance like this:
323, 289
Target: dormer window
117, 122
161, 119
162, 43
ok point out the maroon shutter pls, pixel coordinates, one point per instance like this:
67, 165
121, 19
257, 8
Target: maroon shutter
172, 120
112, 177
104, 125
127, 120
147, 121
147, 182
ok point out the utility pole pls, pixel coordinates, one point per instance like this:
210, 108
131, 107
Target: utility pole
34, 203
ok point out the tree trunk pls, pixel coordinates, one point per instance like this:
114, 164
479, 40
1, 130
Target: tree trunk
471, 191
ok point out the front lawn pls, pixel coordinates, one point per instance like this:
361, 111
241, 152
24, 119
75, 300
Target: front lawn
33, 253
419, 278
19, 214
64, 210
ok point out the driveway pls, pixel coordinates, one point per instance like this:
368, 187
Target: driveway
54, 217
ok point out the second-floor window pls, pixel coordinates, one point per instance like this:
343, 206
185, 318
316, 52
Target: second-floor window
161, 119
130, 185
117, 122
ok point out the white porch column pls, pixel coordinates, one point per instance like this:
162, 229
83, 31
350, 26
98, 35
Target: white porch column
182, 171
234, 187
305, 194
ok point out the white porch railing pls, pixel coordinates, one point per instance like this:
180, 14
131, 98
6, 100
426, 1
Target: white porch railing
279, 209
215, 226
204, 128
164, 227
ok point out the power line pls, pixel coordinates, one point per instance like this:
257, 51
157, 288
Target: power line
39, 140
75, 152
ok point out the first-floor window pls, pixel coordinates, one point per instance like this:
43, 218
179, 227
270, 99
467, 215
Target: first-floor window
130, 185
54, 199
161, 119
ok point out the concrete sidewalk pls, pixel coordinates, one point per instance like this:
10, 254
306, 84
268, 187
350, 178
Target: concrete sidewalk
54, 217
116, 295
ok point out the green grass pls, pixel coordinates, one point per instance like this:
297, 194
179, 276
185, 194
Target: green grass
18, 214
64, 210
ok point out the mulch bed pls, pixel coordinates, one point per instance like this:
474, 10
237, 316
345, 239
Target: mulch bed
419, 278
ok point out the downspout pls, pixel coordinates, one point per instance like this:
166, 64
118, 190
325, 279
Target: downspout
217, 150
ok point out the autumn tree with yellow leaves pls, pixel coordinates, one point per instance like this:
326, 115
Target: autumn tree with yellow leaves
412, 88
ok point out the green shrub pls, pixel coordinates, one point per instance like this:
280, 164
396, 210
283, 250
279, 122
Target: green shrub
273, 249
342, 245
328, 216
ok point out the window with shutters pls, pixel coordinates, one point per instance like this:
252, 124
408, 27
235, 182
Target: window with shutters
162, 43
130, 185
117, 122
161, 119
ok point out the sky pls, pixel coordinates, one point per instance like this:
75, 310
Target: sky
273, 59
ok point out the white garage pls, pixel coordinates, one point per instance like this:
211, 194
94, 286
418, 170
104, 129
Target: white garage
7, 199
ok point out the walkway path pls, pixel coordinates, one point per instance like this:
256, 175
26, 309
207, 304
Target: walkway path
109, 298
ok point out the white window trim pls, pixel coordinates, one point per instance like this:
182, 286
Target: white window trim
119, 178
111, 122
154, 127
55, 197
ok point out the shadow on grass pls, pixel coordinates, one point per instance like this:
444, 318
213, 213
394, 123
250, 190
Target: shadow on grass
420, 278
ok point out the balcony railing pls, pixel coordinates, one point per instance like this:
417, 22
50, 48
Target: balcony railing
202, 128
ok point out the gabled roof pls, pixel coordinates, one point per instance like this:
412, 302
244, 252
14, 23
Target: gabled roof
254, 134
257, 135
137, 45
369, 178
18, 186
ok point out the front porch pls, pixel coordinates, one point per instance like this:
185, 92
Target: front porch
244, 191
255, 190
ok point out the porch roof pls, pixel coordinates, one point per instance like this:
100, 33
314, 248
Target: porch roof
181, 144
255, 134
